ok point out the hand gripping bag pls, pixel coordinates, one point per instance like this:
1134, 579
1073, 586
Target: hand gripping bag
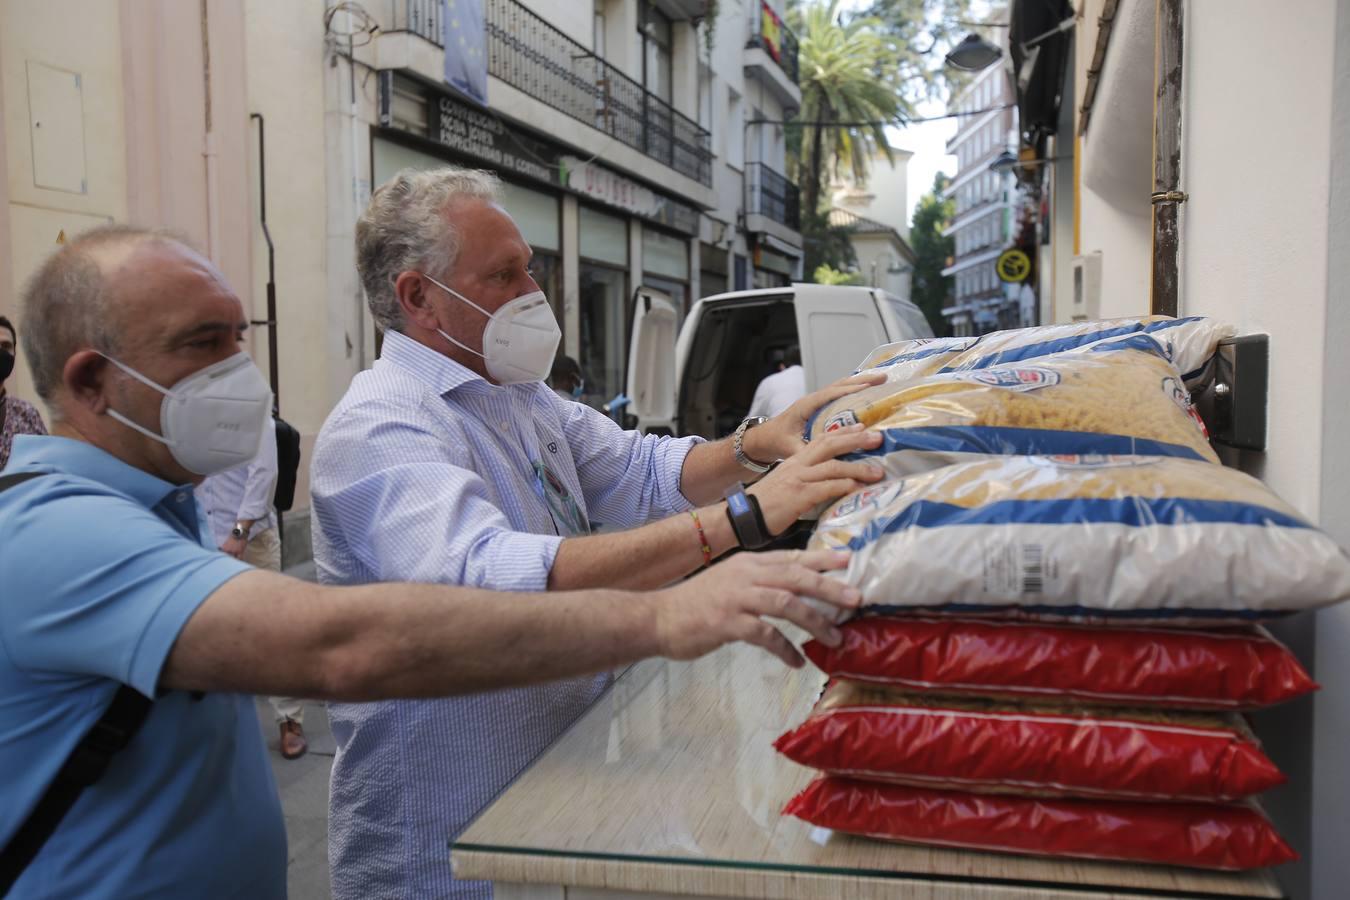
968, 743
1083, 537
1218, 668
1204, 835
1119, 396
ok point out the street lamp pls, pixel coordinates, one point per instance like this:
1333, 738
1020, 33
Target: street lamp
1004, 162
1008, 162
973, 54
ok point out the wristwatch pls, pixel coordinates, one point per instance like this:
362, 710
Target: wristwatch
238, 531
738, 445
747, 520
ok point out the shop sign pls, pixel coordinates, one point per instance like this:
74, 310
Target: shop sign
1013, 266
485, 137
771, 31
609, 187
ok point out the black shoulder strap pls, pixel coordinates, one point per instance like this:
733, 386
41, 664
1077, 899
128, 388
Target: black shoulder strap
85, 765
8, 481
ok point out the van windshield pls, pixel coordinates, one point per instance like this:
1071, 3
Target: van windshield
734, 348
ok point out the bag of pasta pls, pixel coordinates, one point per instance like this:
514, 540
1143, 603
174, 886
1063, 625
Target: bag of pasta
1135, 538
1115, 396
1190, 344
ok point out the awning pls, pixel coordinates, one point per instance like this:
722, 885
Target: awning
1039, 69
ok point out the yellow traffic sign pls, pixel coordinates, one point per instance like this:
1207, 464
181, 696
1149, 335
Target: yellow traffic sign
1013, 265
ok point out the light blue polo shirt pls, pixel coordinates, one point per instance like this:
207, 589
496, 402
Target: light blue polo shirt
101, 565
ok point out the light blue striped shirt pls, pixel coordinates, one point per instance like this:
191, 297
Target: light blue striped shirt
427, 472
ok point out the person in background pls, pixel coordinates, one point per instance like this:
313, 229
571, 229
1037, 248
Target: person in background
238, 504
16, 416
565, 378
783, 388
113, 587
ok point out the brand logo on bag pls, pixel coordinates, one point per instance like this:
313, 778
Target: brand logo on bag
872, 498
1030, 378
1092, 461
841, 420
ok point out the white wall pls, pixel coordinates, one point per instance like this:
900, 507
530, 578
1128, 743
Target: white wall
1117, 165
1126, 244
1256, 162
286, 84
1254, 232
1331, 734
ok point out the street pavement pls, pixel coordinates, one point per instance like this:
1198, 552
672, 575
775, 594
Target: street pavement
303, 784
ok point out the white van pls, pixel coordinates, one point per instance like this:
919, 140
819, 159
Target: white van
703, 381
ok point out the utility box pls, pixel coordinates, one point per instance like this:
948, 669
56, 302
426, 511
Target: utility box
1087, 286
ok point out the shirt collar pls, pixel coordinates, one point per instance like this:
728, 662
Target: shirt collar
59, 454
430, 366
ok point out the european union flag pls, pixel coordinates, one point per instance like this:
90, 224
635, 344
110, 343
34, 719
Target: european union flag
465, 39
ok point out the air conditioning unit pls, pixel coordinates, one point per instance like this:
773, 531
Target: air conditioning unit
1087, 286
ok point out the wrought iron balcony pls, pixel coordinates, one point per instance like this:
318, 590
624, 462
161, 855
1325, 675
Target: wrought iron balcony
532, 56
767, 30
770, 194
421, 17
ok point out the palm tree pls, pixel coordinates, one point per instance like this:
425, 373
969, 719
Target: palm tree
847, 75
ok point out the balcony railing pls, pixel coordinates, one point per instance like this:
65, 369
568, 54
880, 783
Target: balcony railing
531, 55
421, 17
770, 194
762, 35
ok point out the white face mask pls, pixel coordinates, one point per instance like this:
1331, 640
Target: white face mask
212, 420
520, 340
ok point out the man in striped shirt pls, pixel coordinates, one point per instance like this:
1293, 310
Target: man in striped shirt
443, 464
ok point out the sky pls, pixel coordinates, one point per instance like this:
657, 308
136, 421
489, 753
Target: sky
928, 142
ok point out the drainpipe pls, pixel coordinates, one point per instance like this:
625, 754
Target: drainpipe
1167, 194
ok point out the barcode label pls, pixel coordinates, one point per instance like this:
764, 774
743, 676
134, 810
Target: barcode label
1033, 568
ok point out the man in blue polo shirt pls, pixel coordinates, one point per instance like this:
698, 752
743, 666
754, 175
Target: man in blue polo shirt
110, 577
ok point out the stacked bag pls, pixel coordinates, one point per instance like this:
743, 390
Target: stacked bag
1064, 591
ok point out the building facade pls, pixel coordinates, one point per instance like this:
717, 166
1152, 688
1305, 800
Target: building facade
876, 214
988, 208
638, 143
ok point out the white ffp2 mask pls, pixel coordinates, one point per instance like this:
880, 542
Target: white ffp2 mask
520, 340
213, 419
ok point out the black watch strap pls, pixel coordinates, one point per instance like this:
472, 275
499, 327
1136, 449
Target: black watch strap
747, 520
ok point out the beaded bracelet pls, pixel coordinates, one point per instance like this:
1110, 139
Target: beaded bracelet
702, 538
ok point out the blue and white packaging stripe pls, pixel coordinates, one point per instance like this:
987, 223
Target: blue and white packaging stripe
1084, 538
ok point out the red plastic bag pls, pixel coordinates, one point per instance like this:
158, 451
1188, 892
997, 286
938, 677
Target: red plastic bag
1242, 668
866, 731
1212, 836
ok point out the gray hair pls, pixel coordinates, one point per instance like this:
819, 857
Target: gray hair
65, 305
405, 228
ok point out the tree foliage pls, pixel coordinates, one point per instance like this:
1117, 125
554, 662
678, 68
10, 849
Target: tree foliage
825, 244
847, 76
932, 252
829, 275
865, 70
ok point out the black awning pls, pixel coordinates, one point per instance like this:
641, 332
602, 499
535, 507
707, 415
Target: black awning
1039, 70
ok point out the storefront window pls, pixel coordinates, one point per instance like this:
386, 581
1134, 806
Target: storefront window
604, 291
665, 266
604, 296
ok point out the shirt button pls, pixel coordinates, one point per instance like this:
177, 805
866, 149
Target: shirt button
504, 426
180, 497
